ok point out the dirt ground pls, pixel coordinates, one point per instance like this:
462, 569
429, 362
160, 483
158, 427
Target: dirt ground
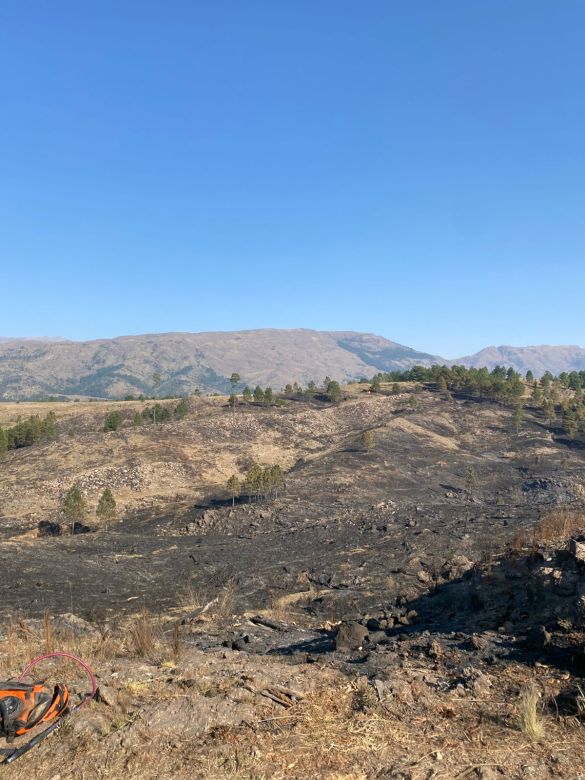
384, 617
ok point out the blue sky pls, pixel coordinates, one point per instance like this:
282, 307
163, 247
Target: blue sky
415, 169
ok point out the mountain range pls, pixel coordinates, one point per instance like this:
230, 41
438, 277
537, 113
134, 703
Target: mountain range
114, 368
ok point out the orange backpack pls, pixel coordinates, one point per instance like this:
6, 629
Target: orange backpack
23, 706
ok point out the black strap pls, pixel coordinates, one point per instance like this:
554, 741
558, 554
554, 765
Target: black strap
8, 723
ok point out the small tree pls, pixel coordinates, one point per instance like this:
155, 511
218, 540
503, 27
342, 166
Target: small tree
471, 480
518, 418
113, 421
368, 440
376, 385
234, 379
247, 394
333, 389
253, 483
181, 409
268, 396
234, 486
106, 508
396, 388
311, 389
412, 402
443, 388
74, 506
156, 383
137, 419
570, 422
274, 478
258, 394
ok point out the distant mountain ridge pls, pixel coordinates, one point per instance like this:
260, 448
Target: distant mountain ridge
537, 359
114, 368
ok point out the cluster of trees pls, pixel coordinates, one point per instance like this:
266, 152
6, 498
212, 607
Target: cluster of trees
150, 414
258, 395
500, 384
27, 432
76, 510
330, 388
258, 483
549, 393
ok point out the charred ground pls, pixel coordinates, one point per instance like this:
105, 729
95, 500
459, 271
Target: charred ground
385, 586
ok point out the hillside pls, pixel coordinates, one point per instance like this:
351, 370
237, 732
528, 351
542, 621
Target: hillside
380, 596
114, 368
537, 359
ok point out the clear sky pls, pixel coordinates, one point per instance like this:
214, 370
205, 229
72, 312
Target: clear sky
415, 169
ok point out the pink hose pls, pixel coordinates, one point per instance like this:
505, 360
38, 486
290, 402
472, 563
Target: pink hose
71, 657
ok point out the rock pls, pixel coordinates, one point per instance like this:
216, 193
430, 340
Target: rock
68, 622
577, 548
435, 649
487, 773
456, 567
350, 636
423, 576
90, 723
107, 695
48, 528
481, 685
237, 641
478, 642
537, 638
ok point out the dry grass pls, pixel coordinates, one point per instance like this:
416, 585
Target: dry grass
529, 719
559, 524
337, 730
144, 637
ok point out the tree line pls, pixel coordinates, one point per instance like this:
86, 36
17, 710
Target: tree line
156, 414
26, 432
259, 483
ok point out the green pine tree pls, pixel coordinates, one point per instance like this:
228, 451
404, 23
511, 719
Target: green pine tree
106, 508
234, 486
74, 506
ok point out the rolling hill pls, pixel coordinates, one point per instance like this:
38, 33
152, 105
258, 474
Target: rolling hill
114, 368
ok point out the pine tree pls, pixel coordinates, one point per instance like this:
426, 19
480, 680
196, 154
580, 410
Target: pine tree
253, 483
106, 508
268, 396
74, 506
113, 421
333, 389
518, 418
3, 440
570, 422
376, 385
181, 409
471, 480
368, 440
258, 394
234, 487
156, 383
234, 379
443, 388
247, 394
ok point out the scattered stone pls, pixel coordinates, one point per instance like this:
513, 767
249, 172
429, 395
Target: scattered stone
350, 636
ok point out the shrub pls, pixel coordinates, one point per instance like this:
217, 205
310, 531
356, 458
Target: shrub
113, 421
